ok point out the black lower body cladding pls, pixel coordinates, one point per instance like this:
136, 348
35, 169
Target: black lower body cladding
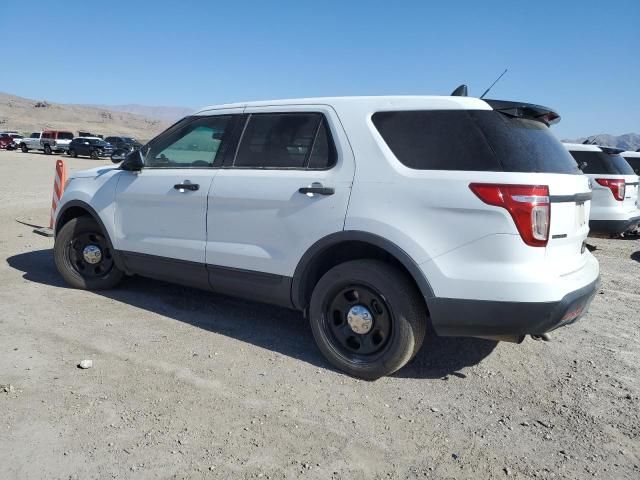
478, 318
613, 226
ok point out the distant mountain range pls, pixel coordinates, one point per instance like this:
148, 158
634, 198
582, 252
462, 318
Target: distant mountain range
165, 114
628, 141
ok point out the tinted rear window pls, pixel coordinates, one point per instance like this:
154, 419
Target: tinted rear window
65, 136
634, 162
602, 163
476, 140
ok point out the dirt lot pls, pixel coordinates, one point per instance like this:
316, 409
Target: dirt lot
187, 384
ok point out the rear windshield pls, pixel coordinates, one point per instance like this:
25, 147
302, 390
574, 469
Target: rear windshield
476, 140
634, 162
603, 163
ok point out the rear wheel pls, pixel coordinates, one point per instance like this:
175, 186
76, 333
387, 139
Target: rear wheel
24, 148
73, 153
47, 150
94, 155
84, 257
367, 318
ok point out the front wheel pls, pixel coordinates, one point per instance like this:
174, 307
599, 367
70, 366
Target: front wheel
367, 318
24, 148
84, 257
94, 155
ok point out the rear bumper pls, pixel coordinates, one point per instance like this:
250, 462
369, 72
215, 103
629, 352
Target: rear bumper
477, 318
613, 226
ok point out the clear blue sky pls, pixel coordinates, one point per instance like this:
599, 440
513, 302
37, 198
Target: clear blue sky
581, 57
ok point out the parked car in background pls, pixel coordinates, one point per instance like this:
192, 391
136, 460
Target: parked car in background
614, 206
124, 143
633, 159
93, 147
55, 141
5, 140
32, 142
477, 228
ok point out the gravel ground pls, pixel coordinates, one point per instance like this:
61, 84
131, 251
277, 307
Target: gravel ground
188, 384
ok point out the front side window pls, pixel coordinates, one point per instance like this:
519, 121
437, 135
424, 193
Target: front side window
285, 140
35, 135
191, 143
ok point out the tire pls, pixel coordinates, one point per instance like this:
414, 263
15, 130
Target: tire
24, 148
397, 318
47, 150
73, 153
74, 237
94, 155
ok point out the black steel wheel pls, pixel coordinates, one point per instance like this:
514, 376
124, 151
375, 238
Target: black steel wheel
47, 150
359, 320
84, 256
24, 148
367, 317
95, 155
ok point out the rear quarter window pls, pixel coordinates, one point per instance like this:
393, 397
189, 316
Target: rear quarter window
473, 140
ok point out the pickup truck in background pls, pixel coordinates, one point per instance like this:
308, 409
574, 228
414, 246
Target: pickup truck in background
55, 141
32, 142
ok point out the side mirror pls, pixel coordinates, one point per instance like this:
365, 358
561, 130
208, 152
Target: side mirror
131, 161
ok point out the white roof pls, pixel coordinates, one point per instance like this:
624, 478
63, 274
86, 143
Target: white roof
631, 154
581, 147
372, 102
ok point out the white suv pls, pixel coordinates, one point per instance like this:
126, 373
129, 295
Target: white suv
377, 216
614, 206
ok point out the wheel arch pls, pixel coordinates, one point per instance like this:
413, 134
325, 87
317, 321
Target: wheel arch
350, 245
77, 208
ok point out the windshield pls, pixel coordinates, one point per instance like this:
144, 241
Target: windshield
472, 140
602, 163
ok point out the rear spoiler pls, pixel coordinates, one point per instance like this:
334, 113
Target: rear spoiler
611, 150
525, 110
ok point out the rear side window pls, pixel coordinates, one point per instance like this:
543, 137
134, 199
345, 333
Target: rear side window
285, 140
65, 136
473, 140
602, 163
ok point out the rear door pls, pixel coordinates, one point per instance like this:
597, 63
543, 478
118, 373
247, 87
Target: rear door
286, 187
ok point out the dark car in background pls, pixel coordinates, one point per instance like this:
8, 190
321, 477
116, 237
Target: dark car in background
124, 143
633, 159
90, 147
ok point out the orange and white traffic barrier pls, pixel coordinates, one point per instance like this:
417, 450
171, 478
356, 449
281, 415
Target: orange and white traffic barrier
58, 188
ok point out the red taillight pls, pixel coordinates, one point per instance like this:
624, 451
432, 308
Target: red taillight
617, 186
528, 205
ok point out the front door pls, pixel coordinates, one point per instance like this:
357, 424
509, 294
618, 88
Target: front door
160, 214
286, 187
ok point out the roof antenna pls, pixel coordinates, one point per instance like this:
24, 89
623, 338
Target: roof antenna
461, 91
496, 81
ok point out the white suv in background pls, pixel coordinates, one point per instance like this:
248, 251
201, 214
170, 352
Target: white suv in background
614, 206
376, 216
